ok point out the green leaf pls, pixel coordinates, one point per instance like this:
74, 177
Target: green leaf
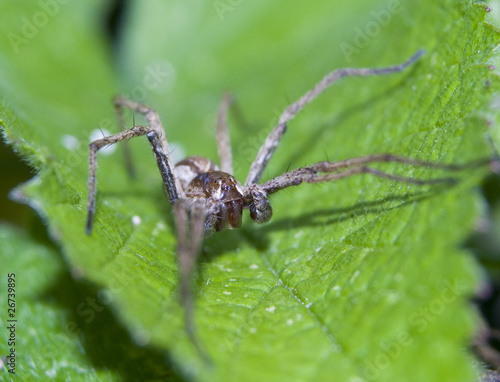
57, 334
360, 279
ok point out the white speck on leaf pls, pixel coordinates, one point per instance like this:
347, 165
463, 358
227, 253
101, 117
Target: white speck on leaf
222, 268
159, 227
70, 142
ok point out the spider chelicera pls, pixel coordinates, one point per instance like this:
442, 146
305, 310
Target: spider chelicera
206, 198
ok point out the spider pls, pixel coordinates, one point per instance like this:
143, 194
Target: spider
206, 198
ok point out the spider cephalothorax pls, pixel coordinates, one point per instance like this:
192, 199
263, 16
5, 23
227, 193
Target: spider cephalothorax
206, 199
223, 195
219, 191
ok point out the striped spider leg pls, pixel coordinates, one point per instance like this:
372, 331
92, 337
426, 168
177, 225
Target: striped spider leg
206, 199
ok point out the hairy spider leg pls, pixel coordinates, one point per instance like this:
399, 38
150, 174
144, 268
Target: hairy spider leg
222, 136
163, 163
349, 167
154, 123
267, 150
129, 162
190, 218
158, 150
